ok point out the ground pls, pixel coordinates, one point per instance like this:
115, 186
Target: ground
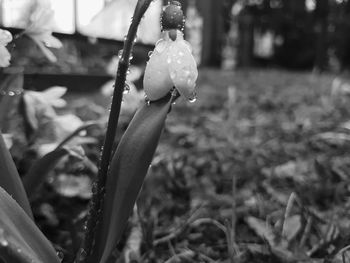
282, 137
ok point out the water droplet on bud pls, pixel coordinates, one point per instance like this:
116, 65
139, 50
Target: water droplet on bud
147, 100
150, 53
193, 98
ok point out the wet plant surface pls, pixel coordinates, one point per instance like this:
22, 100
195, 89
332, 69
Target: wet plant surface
284, 137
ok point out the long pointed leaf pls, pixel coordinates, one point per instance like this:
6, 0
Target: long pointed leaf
11, 85
128, 169
40, 169
10, 180
17, 230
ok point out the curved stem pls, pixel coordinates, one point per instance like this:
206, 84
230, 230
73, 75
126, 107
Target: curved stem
97, 200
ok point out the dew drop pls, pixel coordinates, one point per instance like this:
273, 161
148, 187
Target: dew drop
126, 88
11, 93
168, 60
150, 53
3, 241
178, 61
193, 98
120, 53
128, 72
147, 100
181, 54
125, 38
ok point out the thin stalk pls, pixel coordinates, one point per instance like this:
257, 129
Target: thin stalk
96, 203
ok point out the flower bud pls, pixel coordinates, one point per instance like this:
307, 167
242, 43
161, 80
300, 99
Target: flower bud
173, 17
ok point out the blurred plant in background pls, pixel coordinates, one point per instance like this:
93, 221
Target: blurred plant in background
5, 56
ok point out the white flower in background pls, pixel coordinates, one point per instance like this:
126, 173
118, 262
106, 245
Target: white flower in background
40, 25
39, 105
56, 130
171, 65
5, 38
340, 88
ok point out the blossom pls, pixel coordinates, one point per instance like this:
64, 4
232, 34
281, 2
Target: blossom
171, 65
39, 105
5, 38
40, 25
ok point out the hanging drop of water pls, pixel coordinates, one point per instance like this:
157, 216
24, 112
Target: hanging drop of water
11, 93
3, 241
126, 88
147, 100
120, 53
193, 98
150, 53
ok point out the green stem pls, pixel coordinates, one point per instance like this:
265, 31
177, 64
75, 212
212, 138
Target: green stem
97, 200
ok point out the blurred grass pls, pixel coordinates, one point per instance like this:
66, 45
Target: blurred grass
270, 140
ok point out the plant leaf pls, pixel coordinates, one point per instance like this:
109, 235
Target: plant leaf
128, 169
40, 169
10, 180
20, 238
12, 84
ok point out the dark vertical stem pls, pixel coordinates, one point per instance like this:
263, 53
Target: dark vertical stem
97, 200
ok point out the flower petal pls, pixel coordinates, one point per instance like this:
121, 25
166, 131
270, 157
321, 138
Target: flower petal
157, 82
53, 96
5, 37
19, 231
5, 57
182, 67
48, 54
